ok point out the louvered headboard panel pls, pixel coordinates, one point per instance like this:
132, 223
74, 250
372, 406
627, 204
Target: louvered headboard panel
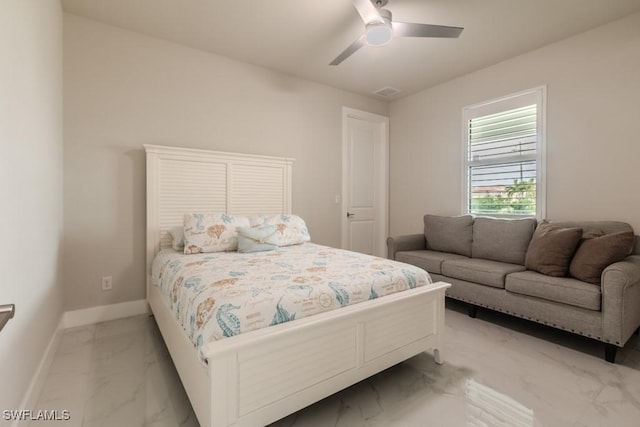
183, 180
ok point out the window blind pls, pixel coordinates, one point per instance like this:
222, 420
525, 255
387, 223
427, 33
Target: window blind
502, 169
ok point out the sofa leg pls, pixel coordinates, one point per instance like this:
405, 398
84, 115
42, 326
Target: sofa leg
473, 311
610, 353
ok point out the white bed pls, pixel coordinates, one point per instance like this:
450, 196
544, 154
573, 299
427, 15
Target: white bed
260, 376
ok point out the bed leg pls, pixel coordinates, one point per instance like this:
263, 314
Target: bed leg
437, 357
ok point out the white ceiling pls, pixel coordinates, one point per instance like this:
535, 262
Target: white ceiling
301, 37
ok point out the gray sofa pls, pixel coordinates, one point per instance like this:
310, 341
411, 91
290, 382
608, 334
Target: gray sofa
486, 259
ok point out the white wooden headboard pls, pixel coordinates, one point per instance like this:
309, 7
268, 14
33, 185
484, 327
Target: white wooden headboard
183, 180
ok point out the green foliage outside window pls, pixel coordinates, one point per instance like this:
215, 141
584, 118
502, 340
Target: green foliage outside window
518, 198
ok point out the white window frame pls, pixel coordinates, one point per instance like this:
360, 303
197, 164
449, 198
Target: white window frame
536, 96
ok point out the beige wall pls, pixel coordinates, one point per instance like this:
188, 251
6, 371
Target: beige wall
123, 90
30, 187
593, 144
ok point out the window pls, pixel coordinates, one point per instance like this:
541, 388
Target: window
504, 156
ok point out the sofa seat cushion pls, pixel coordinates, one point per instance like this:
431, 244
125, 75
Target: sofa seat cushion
559, 289
430, 261
482, 271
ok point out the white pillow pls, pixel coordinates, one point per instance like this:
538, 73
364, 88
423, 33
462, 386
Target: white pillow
211, 233
177, 234
290, 229
256, 239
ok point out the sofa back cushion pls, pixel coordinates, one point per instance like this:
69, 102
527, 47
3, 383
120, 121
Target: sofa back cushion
451, 234
597, 228
504, 240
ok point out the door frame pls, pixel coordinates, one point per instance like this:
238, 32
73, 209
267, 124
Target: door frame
383, 164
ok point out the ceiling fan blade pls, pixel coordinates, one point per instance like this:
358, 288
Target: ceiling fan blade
353, 47
405, 29
368, 11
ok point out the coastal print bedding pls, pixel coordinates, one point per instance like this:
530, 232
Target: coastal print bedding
222, 294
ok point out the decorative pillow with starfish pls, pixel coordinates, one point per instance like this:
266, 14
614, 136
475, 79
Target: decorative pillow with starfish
290, 229
211, 232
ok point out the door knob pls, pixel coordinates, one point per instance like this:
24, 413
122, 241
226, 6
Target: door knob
350, 215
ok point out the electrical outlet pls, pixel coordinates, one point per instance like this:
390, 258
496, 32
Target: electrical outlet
107, 283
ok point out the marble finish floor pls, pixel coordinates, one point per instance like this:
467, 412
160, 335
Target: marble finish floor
498, 371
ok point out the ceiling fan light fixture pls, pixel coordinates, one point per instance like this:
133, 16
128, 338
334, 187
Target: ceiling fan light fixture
379, 34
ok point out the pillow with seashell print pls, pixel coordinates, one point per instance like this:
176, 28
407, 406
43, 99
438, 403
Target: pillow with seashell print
290, 229
211, 232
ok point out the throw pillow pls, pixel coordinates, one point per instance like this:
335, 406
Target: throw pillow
256, 239
449, 233
211, 233
551, 249
177, 235
291, 229
597, 253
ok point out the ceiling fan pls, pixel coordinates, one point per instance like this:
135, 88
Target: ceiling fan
380, 29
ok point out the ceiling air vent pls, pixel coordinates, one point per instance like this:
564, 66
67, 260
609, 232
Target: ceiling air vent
386, 92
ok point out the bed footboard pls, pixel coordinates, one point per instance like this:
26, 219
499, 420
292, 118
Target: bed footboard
260, 377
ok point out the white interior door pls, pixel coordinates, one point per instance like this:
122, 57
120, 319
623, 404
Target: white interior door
365, 182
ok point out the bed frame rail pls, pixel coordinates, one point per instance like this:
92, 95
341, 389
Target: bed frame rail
259, 378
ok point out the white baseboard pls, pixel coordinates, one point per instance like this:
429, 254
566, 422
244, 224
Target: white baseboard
32, 394
103, 313
71, 319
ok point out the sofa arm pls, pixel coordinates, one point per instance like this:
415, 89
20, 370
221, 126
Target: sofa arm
408, 242
621, 300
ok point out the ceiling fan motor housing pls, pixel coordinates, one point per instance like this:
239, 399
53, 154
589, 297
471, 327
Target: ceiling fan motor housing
378, 34
379, 28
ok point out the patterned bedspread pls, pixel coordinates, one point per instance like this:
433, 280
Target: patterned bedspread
221, 294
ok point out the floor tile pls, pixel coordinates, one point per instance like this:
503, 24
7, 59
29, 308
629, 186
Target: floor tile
498, 371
